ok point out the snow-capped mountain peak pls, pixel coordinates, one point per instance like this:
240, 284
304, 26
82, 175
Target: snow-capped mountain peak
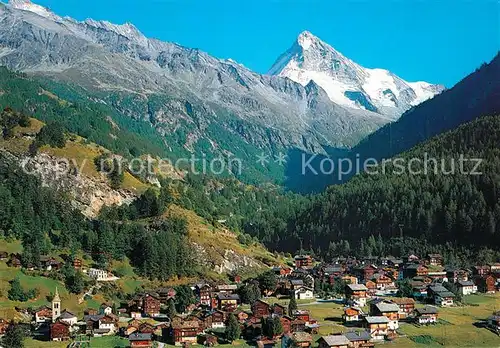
27, 5
346, 82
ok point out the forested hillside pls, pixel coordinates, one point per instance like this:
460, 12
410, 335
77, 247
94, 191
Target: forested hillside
437, 208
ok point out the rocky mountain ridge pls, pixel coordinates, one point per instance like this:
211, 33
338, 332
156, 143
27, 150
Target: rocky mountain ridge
178, 89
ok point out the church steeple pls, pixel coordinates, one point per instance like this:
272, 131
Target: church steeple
56, 306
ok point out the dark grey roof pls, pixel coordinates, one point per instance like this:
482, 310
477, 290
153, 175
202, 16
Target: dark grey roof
67, 315
357, 287
296, 282
427, 310
223, 296
139, 337
465, 283
93, 317
358, 336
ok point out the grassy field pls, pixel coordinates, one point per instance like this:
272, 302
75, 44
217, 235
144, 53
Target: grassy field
455, 328
46, 287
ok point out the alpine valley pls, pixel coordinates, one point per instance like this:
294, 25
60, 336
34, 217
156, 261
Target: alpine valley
174, 256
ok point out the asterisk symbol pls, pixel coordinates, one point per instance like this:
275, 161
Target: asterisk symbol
263, 159
281, 159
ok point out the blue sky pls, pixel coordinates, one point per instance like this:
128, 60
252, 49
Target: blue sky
431, 40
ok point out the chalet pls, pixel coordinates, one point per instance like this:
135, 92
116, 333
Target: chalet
151, 305
466, 287
14, 261
377, 326
352, 314
43, 315
481, 270
77, 264
414, 270
435, 259
4, 255
146, 328
356, 293
393, 262
165, 294
203, 292
302, 314
303, 293
372, 287
406, 306
301, 339
218, 320
227, 302
49, 263
329, 273
437, 275
185, 332
105, 309
227, 288
59, 331
68, 318
384, 282
90, 311
349, 279
454, 275
296, 283
298, 325
495, 267
261, 309
426, 315
107, 325
388, 310
440, 295
303, 261
486, 284
142, 340
333, 341
359, 339
412, 258
279, 310
364, 273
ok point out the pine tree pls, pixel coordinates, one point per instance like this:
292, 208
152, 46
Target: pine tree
292, 305
14, 336
171, 311
16, 292
233, 330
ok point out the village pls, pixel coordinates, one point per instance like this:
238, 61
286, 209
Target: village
347, 302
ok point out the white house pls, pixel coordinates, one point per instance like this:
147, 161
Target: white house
105, 309
68, 317
98, 274
304, 293
466, 287
426, 315
107, 323
43, 315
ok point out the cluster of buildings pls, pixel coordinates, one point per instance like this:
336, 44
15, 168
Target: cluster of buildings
60, 324
215, 303
51, 264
